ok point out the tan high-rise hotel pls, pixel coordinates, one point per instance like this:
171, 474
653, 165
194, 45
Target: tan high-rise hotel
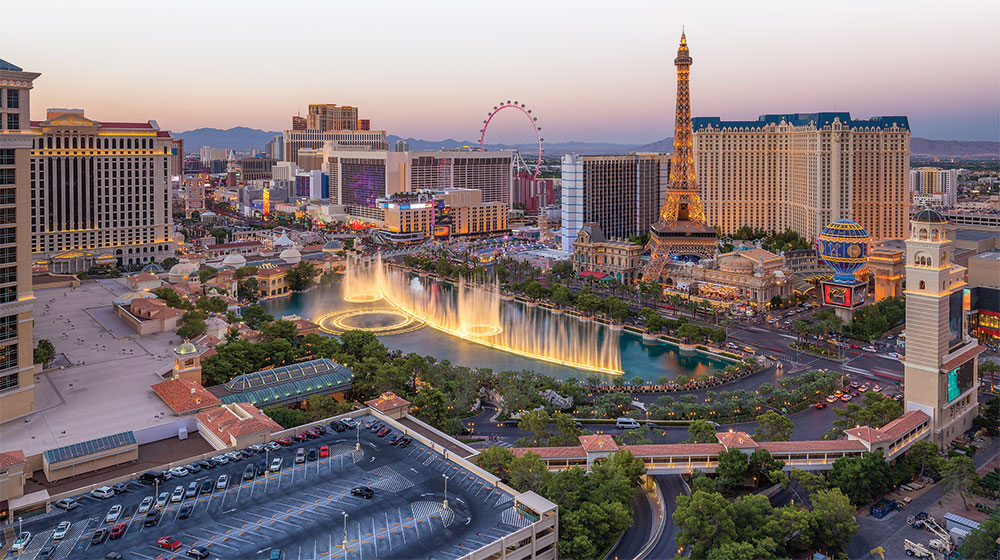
17, 385
802, 171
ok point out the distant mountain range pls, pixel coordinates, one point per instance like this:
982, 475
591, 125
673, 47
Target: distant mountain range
243, 139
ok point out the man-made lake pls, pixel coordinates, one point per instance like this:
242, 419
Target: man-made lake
636, 358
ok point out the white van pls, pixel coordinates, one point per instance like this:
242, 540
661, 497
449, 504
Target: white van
626, 423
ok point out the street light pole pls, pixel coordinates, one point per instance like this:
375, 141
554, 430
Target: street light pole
445, 504
357, 444
345, 533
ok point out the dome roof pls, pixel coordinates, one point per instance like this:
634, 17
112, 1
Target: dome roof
152, 268
928, 216
234, 260
183, 269
126, 299
290, 255
186, 348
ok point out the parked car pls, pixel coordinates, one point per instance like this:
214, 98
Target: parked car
47, 552
406, 442
338, 426
249, 472
151, 477
276, 555
98, 536
152, 518
256, 448
120, 487
168, 543
185, 510
234, 456
820, 404
324, 451
66, 504
192, 489
376, 427
286, 441
300, 456
177, 495
199, 552
626, 423
319, 428
145, 504
395, 439
162, 499
301, 436
365, 492
246, 453
113, 514
179, 471
273, 445
117, 530
312, 455
369, 422
193, 468
104, 492
60, 531
222, 483
21, 542
221, 459
114, 556
261, 468
276, 464
349, 422
207, 487
206, 464
311, 433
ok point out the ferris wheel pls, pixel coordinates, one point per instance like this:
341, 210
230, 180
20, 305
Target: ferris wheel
511, 126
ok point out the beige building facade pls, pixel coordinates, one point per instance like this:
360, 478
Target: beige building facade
593, 252
940, 366
802, 171
17, 386
102, 187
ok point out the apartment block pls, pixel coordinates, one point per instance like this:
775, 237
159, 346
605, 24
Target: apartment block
802, 171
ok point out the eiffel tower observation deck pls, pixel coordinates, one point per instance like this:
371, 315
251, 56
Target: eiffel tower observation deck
681, 233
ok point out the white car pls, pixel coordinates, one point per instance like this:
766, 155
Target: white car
349, 422
234, 455
22, 542
60, 531
223, 482
162, 499
273, 445
146, 503
276, 464
221, 459
104, 492
113, 514
178, 495
179, 471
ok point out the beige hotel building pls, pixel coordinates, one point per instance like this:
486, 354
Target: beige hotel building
100, 192
802, 171
17, 386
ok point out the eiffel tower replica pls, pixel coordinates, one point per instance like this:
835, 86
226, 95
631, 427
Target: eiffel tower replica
681, 230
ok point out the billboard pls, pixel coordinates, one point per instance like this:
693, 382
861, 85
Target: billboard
960, 380
956, 314
843, 295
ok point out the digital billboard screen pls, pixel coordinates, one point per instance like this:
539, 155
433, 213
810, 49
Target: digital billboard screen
960, 380
955, 316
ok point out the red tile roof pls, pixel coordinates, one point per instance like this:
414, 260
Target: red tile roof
274, 271
600, 442
965, 356
225, 421
575, 452
162, 134
184, 395
815, 445
736, 440
125, 125
898, 427
11, 458
387, 401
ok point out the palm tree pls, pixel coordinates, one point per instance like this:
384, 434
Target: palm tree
801, 329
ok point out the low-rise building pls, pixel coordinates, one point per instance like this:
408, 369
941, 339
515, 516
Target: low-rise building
984, 269
271, 281
886, 263
593, 252
145, 313
235, 425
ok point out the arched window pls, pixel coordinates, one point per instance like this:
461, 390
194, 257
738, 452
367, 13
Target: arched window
58, 142
922, 234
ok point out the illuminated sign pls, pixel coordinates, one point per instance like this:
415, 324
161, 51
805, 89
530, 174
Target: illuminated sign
267, 202
960, 380
846, 296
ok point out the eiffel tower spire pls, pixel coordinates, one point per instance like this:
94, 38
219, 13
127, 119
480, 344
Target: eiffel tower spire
681, 230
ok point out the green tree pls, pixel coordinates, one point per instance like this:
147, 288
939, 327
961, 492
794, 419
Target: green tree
325, 406
875, 411
733, 468
279, 329
255, 317
700, 431
528, 472
981, 542
704, 521
959, 475
213, 304
617, 309
563, 269
561, 295
863, 479
248, 290
45, 352
775, 302
497, 460
922, 456
205, 273
169, 262
834, 518
536, 422
193, 326
299, 276
989, 412
173, 299
431, 406
588, 303
567, 433
772, 426
810, 481
763, 466
286, 417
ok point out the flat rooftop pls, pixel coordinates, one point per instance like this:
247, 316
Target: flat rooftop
300, 509
106, 388
988, 255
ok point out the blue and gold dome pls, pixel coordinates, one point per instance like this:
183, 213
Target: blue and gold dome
844, 246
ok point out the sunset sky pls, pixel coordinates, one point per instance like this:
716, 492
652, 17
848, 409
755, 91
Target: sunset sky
590, 70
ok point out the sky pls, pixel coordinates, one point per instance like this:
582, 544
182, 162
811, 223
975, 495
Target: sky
590, 70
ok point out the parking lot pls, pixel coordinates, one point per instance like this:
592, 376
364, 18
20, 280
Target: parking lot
300, 509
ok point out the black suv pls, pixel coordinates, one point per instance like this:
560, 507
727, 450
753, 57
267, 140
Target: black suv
152, 518
249, 472
363, 491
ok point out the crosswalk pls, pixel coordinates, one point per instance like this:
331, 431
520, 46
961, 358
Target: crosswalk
510, 516
385, 478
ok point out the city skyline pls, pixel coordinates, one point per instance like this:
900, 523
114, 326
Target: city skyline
218, 67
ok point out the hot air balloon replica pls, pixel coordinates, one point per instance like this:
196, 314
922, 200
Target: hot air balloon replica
843, 245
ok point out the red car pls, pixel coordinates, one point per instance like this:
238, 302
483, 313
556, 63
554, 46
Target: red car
301, 436
820, 405
168, 543
324, 451
311, 433
118, 530
284, 441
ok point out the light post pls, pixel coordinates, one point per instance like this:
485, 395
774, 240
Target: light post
267, 467
445, 504
357, 444
345, 533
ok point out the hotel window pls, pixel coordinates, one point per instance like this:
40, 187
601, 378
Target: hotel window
13, 98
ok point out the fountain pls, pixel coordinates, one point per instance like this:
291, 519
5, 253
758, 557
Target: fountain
473, 312
360, 280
